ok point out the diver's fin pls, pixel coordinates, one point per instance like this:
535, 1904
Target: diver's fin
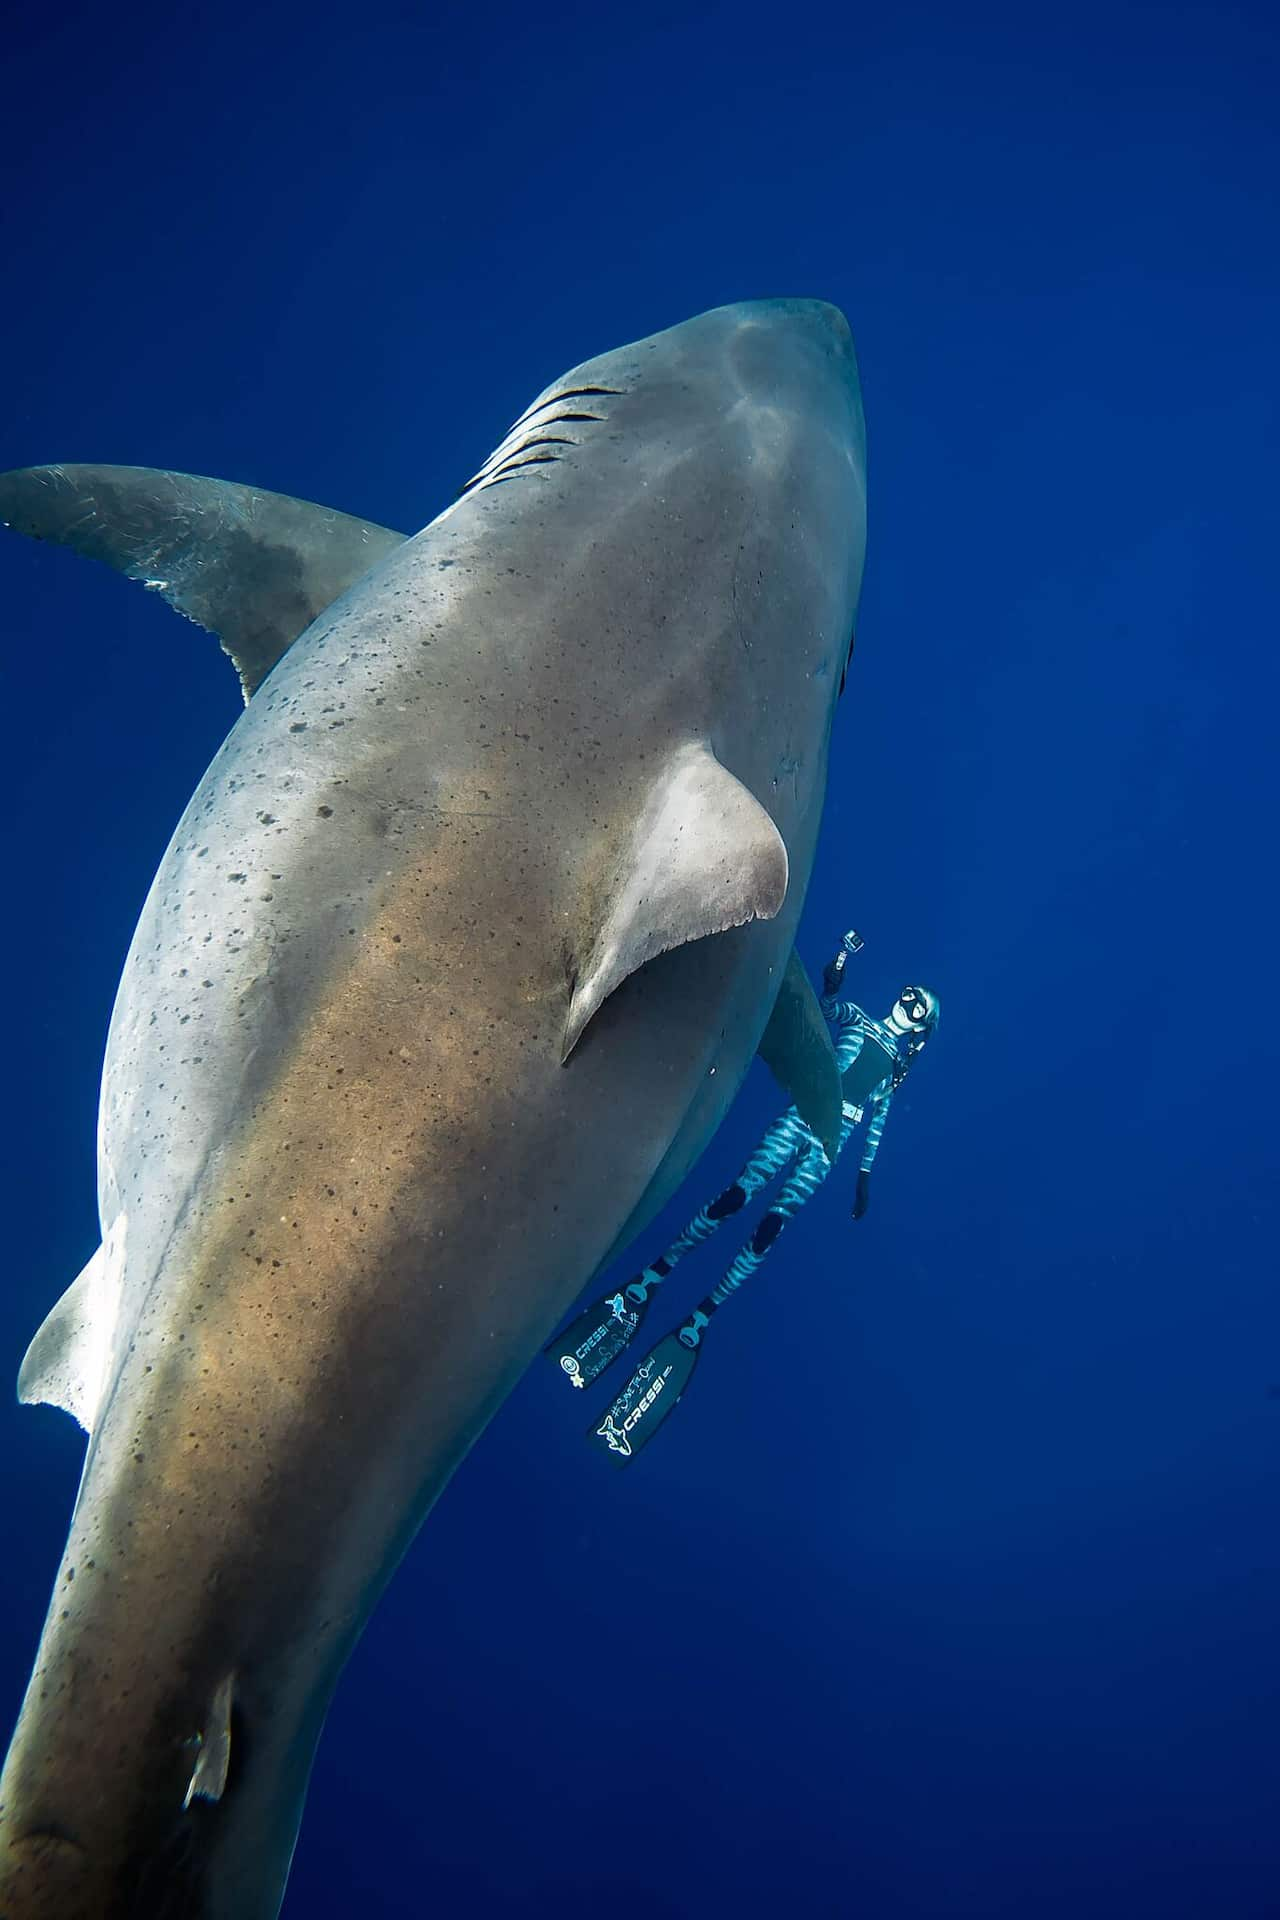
703, 856
66, 1363
213, 1760
253, 567
652, 1392
797, 1049
595, 1339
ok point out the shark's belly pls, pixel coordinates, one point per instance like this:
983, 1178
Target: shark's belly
336, 1117
361, 1276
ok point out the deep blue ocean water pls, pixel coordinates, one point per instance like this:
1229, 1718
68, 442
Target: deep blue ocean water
952, 1589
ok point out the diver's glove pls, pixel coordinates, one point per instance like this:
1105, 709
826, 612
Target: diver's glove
862, 1198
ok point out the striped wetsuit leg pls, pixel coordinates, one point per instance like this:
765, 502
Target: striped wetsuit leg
803, 1184
780, 1144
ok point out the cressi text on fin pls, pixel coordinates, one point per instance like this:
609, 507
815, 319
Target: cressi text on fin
594, 1340
652, 1392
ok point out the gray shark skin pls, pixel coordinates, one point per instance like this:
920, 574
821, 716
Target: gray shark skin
455, 961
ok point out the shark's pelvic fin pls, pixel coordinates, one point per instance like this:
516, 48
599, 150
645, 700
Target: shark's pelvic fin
68, 1361
253, 567
703, 856
797, 1048
63, 1364
209, 1776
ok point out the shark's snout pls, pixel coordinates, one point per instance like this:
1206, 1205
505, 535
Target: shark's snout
817, 321
792, 358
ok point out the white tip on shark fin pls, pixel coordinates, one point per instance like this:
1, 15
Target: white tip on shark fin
67, 1362
704, 856
213, 1760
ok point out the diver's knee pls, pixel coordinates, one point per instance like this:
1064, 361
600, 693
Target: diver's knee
766, 1233
727, 1202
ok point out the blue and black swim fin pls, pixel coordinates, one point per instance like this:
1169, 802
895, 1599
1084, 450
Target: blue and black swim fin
594, 1340
652, 1392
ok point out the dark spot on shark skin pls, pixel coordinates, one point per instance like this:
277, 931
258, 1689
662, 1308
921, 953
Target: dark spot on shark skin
326, 813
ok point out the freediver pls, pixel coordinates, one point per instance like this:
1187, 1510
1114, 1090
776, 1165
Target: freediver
873, 1057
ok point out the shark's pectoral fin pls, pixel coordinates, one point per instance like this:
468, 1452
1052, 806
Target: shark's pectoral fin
703, 856
66, 1364
253, 567
797, 1049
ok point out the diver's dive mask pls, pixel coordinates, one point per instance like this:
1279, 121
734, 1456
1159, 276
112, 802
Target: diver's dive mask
917, 1003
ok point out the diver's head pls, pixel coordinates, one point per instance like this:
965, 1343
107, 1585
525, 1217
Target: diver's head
914, 1016
915, 1012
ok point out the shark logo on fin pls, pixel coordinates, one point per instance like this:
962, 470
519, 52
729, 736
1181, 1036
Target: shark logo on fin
614, 1436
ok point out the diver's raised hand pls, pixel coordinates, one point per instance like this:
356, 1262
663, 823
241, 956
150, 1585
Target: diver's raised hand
834, 973
862, 1198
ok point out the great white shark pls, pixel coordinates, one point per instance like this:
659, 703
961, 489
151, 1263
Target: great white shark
455, 960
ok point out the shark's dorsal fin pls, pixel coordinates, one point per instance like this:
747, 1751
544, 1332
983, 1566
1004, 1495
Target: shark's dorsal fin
703, 856
67, 1361
253, 567
797, 1049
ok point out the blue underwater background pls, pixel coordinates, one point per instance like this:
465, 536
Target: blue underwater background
952, 1589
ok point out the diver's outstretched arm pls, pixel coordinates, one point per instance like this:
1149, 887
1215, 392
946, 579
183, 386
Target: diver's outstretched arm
870, 1147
